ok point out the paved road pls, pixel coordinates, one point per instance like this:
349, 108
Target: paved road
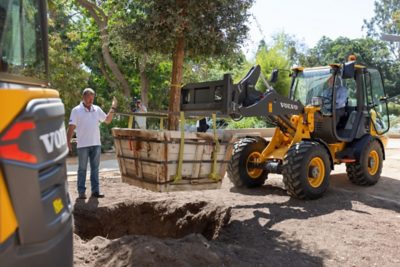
106, 165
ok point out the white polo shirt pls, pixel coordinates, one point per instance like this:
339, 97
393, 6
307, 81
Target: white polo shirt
87, 124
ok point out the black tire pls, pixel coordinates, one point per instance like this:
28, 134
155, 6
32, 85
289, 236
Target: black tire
238, 171
368, 168
301, 162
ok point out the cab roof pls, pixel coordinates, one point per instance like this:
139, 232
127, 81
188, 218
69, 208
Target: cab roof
331, 66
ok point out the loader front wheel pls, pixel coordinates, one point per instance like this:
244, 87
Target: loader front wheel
368, 168
306, 170
241, 171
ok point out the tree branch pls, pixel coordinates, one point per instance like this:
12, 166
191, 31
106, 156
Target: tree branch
98, 14
101, 20
103, 69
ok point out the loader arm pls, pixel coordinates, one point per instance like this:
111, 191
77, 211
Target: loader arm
241, 100
277, 110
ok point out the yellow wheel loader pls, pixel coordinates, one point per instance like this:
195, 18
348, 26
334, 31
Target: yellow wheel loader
334, 114
35, 209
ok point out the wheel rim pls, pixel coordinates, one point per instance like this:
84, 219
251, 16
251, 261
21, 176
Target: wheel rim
316, 172
254, 157
373, 162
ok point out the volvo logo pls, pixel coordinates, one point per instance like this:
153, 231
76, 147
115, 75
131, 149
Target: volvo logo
55, 139
289, 106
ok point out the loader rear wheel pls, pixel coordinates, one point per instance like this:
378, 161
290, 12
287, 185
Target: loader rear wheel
306, 169
240, 171
368, 168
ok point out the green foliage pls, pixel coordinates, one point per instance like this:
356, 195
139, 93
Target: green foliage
210, 69
394, 116
209, 28
385, 20
394, 109
276, 57
245, 123
107, 140
328, 51
76, 57
89, 48
293, 49
184, 28
65, 64
159, 73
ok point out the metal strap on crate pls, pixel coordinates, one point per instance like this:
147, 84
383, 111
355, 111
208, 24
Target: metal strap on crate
161, 124
178, 175
130, 122
214, 175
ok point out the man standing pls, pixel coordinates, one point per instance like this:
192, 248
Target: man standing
85, 120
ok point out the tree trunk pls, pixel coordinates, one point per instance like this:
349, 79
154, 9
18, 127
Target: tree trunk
101, 20
111, 64
103, 69
176, 80
144, 81
144, 88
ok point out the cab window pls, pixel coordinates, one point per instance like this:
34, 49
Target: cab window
21, 39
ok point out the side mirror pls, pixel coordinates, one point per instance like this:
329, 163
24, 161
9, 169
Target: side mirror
274, 76
348, 70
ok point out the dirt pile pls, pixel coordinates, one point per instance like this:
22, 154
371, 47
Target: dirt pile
191, 250
143, 233
159, 219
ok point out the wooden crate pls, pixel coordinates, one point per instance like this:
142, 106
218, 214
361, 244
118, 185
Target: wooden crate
150, 159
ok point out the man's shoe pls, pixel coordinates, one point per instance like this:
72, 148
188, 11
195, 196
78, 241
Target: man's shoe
97, 195
82, 196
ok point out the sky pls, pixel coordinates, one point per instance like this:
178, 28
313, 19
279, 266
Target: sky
307, 20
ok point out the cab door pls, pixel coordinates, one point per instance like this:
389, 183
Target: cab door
377, 101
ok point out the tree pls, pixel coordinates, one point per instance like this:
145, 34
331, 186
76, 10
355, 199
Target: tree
386, 20
101, 19
368, 51
65, 71
185, 28
281, 55
292, 48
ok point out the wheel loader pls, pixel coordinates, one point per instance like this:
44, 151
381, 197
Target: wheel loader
35, 209
312, 133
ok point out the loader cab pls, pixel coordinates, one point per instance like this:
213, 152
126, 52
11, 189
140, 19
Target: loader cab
35, 208
350, 100
23, 42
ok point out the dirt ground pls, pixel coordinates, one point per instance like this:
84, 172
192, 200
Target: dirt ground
349, 226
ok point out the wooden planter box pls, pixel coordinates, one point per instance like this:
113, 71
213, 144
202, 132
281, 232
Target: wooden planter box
150, 159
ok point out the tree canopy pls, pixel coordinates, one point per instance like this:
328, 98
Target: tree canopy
209, 28
184, 28
385, 20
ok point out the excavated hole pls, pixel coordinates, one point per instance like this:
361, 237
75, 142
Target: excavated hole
158, 219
